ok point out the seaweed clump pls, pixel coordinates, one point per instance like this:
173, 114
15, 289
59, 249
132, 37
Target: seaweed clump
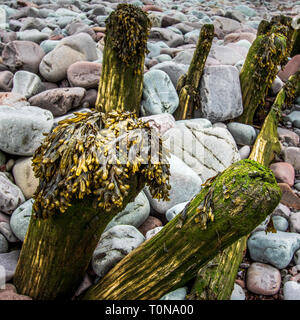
128, 28
97, 153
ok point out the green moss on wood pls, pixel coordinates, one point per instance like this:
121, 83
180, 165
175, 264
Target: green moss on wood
216, 279
259, 71
56, 251
112, 155
189, 241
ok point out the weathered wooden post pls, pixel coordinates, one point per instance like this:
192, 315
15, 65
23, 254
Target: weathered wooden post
267, 52
121, 83
208, 224
188, 84
84, 180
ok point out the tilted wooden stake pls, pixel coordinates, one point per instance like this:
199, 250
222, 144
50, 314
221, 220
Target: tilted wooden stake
209, 224
188, 85
267, 142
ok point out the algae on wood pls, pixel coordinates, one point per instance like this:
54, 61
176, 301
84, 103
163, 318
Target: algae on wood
56, 251
85, 181
121, 82
267, 52
216, 279
267, 142
188, 85
207, 225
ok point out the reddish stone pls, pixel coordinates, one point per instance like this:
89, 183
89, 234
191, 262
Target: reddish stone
10, 293
246, 29
85, 284
152, 63
99, 36
288, 136
7, 36
27, 4
241, 283
50, 85
64, 84
84, 74
22, 55
289, 198
284, 172
59, 101
291, 68
9, 287
263, 279
162, 122
151, 7
170, 51
219, 33
235, 37
149, 224
168, 21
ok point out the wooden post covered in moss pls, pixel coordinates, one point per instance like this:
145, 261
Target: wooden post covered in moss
208, 224
215, 280
89, 168
267, 52
283, 22
188, 84
121, 82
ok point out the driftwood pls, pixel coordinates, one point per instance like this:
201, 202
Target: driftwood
188, 84
208, 224
215, 280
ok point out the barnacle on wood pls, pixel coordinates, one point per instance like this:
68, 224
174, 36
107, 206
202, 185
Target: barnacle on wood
128, 29
97, 153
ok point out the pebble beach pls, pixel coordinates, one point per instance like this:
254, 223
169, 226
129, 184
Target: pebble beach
51, 55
